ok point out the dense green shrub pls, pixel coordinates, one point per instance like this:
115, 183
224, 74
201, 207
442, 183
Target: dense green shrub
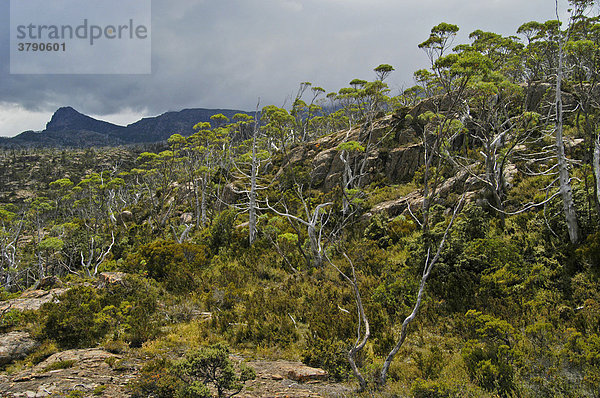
85, 314
171, 263
156, 379
72, 321
377, 231
137, 320
488, 354
221, 230
430, 363
60, 365
331, 355
10, 319
261, 317
433, 389
400, 227
211, 366
590, 252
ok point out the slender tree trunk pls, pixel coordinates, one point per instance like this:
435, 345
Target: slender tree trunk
346, 176
495, 178
360, 343
203, 205
596, 166
314, 246
429, 264
363, 322
564, 179
197, 200
252, 204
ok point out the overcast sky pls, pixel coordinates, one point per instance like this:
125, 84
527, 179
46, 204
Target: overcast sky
228, 53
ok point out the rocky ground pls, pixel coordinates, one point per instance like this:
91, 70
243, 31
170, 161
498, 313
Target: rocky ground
98, 373
90, 371
292, 380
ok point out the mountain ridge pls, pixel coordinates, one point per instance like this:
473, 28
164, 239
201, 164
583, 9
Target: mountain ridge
71, 128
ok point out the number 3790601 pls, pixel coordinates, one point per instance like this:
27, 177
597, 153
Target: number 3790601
41, 47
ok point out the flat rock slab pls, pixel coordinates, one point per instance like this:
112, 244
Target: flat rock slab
303, 373
15, 345
82, 357
290, 379
32, 300
111, 278
89, 371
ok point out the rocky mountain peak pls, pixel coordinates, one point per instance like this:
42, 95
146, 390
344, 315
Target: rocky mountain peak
67, 118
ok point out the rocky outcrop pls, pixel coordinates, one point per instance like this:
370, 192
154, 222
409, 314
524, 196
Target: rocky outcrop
91, 370
327, 169
396, 207
290, 379
394, 159
281, 370
32, 300
400, 164
88, 370
186, 218
304, 374
461, 182
124, 217
81, 357
111, 278
15, 346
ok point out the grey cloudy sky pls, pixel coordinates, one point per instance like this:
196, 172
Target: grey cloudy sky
228, 53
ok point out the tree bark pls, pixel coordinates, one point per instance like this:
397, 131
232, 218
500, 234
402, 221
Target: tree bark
564, 179
252, 204
596, 166
429, 264
203, 202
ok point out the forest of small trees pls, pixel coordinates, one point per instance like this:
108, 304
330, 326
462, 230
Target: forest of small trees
473, 272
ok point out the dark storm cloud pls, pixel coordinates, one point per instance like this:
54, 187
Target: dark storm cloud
228, 53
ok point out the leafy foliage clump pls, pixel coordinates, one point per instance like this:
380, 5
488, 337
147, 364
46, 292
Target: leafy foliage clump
330, 355
488, 354
171, 263
84, 315
211, 366
156, 379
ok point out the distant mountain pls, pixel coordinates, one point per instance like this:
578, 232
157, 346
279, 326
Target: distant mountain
69, 128
160, 128
68, 119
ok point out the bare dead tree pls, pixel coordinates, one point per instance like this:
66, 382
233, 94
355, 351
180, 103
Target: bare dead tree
563, 166
96, 257
9, 248
314, 221
363, 329
428, 266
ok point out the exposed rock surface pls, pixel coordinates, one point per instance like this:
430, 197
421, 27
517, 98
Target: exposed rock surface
90, 370
291, 379
395, 207
111, 278
303, 374
125, 217
186, 218
32, 300
396, 163
15, 345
